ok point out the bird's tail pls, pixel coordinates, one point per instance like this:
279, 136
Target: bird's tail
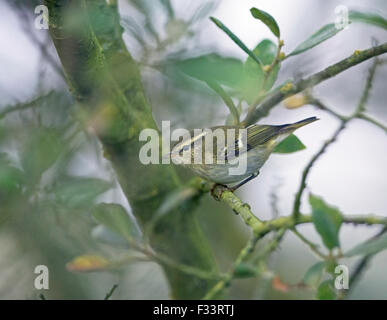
293, 126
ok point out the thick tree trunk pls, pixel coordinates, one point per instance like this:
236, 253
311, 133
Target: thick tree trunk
105, 79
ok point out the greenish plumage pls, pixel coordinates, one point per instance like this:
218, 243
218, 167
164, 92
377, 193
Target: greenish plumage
215, 164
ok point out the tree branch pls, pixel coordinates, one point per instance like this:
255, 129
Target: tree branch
373, 121
261, 227
110, 293
367, 89
312, 246
288, 222
226, 99
305, 173
105, 79
292, 88
362, 265
239, 207
319, 104
37, 102
222, 284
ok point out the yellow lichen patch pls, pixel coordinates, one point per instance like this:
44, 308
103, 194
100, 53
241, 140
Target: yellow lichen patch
132, 132
266, 68
357, 52
104, 118
87, 263
286, 87
295, 101
106, 154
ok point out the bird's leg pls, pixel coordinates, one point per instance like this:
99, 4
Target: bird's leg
240, 184
217, 193
214, 187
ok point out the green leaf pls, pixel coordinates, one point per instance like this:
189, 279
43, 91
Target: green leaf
266, 51
3, 133
326, 32
230, 118
213, 68
78, 192
330, 266
245, 79
236, 40
368, 18
369, 247
266, 19
314, 274
326, 291
168, 8
107, 236
11, 178
41, 150
115, 217
289, 145
244, 270
327, 221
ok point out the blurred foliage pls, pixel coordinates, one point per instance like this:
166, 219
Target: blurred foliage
267, 19
290, 144
327, 221
55, 206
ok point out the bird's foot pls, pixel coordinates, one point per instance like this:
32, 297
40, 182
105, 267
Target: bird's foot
217, 190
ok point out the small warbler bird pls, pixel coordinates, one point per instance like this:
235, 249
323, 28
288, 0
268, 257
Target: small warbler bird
214, 163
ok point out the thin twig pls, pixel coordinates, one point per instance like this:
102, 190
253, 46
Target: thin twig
226, 99
322, 106
275, 62
316, 102
271, 246
367, 89
262, 227
297, 201
166, 261
261, 92
222, 284
239, 207
362, 265
290, 89
373, 121
288, 222
36, 102
110, 293
187, 269
274, 201
310, 244
277, 58
41, 46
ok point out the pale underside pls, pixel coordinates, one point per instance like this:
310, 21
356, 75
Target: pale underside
249, 156
220, 173
241, 155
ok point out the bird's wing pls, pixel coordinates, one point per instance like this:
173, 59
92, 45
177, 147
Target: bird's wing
260, 134
256, 135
